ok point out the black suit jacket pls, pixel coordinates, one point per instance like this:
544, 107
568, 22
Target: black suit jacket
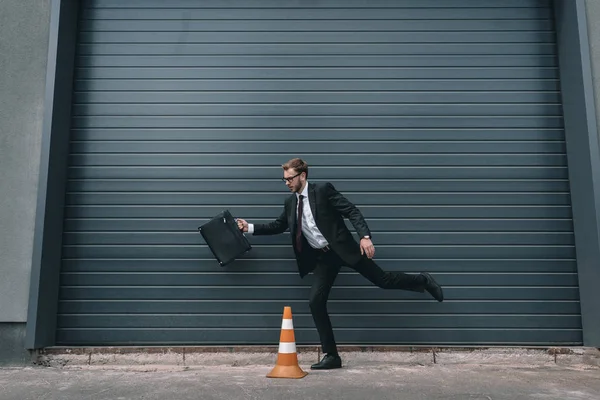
329, 207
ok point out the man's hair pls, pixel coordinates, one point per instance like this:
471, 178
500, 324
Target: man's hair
297, 164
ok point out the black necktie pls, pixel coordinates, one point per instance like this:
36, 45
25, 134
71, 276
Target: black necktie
299, 225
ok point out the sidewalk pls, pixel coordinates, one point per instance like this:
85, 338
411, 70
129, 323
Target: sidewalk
486, 374
383, 380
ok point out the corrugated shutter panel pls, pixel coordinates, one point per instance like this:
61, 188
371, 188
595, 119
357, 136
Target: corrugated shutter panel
442, 120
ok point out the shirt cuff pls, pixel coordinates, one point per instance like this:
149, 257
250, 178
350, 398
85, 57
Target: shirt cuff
250, 228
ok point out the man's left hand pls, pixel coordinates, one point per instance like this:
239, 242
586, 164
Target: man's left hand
366, 247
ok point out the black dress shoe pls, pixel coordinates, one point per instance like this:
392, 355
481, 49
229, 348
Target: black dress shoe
329, 361
433, 288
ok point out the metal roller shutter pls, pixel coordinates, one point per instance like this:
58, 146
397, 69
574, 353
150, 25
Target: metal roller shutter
441, 120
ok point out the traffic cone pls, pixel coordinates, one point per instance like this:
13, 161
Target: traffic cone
287, 358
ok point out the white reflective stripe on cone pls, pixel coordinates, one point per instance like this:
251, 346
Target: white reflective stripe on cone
287, 324
287, 348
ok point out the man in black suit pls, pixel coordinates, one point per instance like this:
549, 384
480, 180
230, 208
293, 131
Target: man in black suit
322, 244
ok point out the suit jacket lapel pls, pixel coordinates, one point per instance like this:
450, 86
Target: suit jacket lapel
312, 199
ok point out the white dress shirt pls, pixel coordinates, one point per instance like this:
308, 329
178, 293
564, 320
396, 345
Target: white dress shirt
309, 227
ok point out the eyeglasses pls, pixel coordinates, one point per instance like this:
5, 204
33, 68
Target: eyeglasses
291, 178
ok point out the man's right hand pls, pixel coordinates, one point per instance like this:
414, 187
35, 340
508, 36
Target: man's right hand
242, 224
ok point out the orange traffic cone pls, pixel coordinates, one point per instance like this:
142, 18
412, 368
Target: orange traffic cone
287, 358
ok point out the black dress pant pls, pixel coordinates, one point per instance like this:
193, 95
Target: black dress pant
327, 268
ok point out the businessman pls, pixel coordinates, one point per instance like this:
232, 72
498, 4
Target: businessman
322, 243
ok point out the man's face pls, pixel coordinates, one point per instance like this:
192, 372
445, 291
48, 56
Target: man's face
293, 180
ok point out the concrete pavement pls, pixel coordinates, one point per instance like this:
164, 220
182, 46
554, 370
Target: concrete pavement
481, 375
381, 382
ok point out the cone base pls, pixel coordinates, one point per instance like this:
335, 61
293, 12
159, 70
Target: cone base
287, 371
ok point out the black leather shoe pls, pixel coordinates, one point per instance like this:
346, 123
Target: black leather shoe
433, 288
329, 361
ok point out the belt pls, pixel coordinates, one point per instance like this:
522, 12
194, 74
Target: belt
325, 249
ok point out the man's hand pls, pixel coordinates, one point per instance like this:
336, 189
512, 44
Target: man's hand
242, 224
366, 247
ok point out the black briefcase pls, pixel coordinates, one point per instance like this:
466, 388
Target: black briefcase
224, 238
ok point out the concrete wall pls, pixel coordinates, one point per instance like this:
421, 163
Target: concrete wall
24, 27
593, 20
